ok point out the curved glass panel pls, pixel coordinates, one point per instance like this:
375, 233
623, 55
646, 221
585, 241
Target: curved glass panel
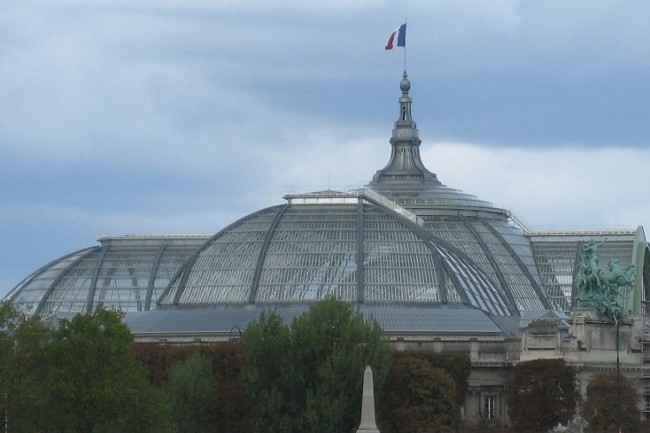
123, 277
398, 265
479, 290
312, 255
30, 294
517, 281
173, 257
457, 233
223, 272
520, 245
70, 295
453, 294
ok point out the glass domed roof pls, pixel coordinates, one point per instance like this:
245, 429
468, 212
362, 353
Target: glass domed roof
334, 245
403, 239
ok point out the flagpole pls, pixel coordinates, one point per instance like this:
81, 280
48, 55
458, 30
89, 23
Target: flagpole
405, 22
398, 39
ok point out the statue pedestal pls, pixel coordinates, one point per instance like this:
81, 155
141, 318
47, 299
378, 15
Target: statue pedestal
594, 339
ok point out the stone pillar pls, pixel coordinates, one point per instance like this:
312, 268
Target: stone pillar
368, 424
474, 350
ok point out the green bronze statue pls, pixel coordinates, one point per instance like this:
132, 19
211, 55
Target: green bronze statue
599, 290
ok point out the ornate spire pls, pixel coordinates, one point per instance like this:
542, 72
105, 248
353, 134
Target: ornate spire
405, 163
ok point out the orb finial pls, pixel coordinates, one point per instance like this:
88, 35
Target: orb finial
405, 84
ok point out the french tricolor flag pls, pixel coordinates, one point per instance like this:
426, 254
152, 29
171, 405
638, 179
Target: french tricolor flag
397, 38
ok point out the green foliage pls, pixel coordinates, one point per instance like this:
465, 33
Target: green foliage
603, 403
270, 377
233, 413
456, 364
96, 382
192, 393
541, 394
423, 398
79, 377
308, 377
23, 360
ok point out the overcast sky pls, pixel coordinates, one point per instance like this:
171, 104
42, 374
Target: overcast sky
166, 116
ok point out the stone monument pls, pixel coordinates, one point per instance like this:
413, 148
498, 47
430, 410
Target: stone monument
368, 424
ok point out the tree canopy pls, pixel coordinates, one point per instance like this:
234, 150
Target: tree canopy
422, 398
603, 403
23, 358
95, 382
192, 393
80, 376
307, 377
233, 410
541, 394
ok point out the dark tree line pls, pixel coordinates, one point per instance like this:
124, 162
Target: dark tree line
276, 374
543, 393
232, 408
606, 406
85, 374
424, 392
78, 376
